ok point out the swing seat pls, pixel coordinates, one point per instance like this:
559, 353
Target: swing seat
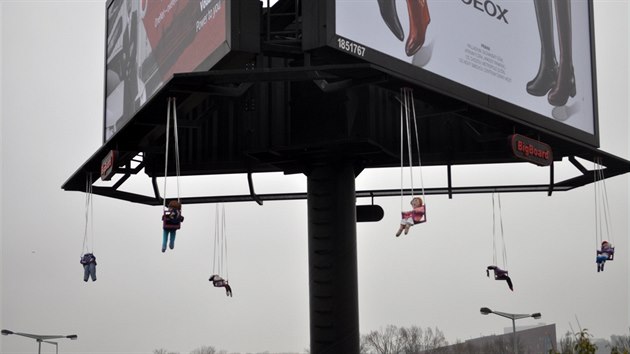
611, 253
420, 219
500, 277
219, 283
171, 223
417, 215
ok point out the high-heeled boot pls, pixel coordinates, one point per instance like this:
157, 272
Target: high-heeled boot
418, 21
548, 69
565, 84
390, 16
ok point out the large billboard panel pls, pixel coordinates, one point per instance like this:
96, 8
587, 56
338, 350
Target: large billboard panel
150, 40
532, 57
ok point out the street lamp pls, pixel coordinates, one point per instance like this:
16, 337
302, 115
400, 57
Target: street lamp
55, 344
40, 338
513, 317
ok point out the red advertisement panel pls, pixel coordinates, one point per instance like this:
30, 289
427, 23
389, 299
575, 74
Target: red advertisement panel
150, 40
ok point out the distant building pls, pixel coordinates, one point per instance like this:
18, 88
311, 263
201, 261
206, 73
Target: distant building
534, 340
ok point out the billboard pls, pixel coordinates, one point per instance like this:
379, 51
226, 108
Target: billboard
150, 40
531, 59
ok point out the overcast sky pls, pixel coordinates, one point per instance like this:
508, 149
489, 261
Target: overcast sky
51, 100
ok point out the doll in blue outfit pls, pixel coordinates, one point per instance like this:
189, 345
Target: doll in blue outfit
606, 253
171, 222
88, 261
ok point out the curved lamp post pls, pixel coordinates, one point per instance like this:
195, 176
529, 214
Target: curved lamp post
41, 338
513, 317
53, 343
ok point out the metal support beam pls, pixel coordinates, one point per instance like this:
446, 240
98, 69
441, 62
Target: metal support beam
252, 193
332, 258
550, 179
449, 181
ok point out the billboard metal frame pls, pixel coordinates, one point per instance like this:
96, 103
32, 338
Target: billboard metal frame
335, 70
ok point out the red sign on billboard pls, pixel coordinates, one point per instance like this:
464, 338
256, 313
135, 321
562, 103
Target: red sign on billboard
531, 150
107, 165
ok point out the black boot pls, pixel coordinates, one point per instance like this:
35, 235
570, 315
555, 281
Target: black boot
390, 16
548, 68
565, 84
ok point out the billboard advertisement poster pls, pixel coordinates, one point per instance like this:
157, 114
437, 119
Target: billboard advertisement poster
150, 40
533, 54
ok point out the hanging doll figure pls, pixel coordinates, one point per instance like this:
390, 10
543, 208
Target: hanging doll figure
88, 261
171, 222
412, 217
606, 253
500, 274
219, 282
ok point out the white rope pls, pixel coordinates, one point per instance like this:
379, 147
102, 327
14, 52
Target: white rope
415, 124
225, 245
168, 128
219, 259
505, 265
407, 126
171, 107
89, 217
498, 225
598, 230
407, 113
216, 233
494, 233
603, 225
402, 150
176, 136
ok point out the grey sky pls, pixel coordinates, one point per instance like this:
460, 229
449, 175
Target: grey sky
51, 99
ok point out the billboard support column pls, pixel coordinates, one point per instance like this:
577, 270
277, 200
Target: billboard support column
332, 252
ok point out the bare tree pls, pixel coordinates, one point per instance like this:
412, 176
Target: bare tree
386, 341
620, 343
204, 350
403, 340
433, 339
163, 351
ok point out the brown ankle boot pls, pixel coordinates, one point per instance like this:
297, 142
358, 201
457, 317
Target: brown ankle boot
418, 22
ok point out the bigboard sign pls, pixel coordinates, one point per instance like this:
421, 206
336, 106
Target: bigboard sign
531, 60
150, 40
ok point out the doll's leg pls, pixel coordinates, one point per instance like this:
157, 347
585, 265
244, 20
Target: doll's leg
86, 272
407, 227
509, 282
164, 239
171, 244
92, 268
400, 230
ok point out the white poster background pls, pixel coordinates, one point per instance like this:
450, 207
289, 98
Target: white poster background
456, 28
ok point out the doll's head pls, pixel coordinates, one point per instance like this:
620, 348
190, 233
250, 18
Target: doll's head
174, 204
605, 245
416, 202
